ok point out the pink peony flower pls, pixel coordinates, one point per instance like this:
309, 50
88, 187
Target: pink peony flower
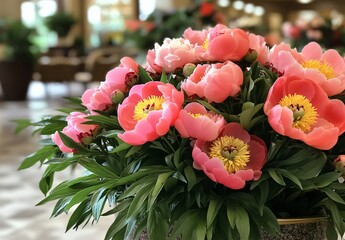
300, 109
215, 82
174, 53
327, 68
196, 122
95, 99
258, 44
76, 130
233, 158
122, 77
279, 62
151, 65
197, 37
148, 112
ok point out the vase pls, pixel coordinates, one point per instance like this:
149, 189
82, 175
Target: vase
300, 228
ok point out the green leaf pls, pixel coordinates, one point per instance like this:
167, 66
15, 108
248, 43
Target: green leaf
22, 124
143, 75
161, 179
331, 232
231, 213
97, 169
60, 206
121, 147
333, 195
78, 216
108, 122
133, 150
276, 176
325, 179
242, 222
44, 153
209, 106
247, 115
46, 183
190, 176
212, 211
163, 77
290, 176
97, 202
55, 125
157, 224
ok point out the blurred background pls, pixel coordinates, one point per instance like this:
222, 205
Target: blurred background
52, 49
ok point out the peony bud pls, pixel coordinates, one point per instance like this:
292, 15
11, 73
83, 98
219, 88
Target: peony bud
117, 97
188, 69
339, 164
251, 55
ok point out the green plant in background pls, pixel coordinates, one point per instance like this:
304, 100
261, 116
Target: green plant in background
18, 41
61, 23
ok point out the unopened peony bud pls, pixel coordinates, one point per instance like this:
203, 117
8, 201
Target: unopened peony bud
86, 140
251, 56
188, 69
339, 164
117, 97
131, 79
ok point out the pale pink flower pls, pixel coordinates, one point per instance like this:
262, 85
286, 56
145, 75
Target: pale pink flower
196, 122
148, 112
258, 43
76, 130
300, 109
233, 158
174, 53
215, 82
197, 37
151, 65
95, 99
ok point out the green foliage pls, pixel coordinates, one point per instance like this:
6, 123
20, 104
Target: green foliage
18, 41
61, 23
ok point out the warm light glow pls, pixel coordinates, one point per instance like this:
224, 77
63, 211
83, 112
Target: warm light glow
249, 8
224, 3
259, 11
304, 1
238, 5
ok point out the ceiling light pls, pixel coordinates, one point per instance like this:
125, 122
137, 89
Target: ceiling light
224, 3
259, 11
249, 8
304, 1
238, 5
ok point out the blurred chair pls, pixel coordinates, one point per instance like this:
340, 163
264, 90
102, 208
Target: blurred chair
97, 64
58, 70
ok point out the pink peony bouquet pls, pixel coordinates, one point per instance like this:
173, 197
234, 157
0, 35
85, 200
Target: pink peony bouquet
216, 136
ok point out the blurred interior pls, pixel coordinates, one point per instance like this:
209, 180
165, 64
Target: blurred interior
40, 65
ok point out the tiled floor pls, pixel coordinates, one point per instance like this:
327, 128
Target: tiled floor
19, 217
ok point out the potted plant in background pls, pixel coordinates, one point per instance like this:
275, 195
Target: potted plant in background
61, 23
17, 60
217, 137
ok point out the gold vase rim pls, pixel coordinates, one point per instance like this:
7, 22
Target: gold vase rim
284, 221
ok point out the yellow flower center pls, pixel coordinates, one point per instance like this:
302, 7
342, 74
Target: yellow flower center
196, 115
323, 67
233, 152
304, 113
147, 105
205, 45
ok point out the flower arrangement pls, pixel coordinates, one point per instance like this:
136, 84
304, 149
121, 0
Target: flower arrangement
215, 137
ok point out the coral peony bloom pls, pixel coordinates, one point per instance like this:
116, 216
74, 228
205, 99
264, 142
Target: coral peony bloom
215, 82
76, 130
174, 53
197, 37
196, 122
233, 158
300, 109
327, 68
148, 112
152, 66
227, 44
